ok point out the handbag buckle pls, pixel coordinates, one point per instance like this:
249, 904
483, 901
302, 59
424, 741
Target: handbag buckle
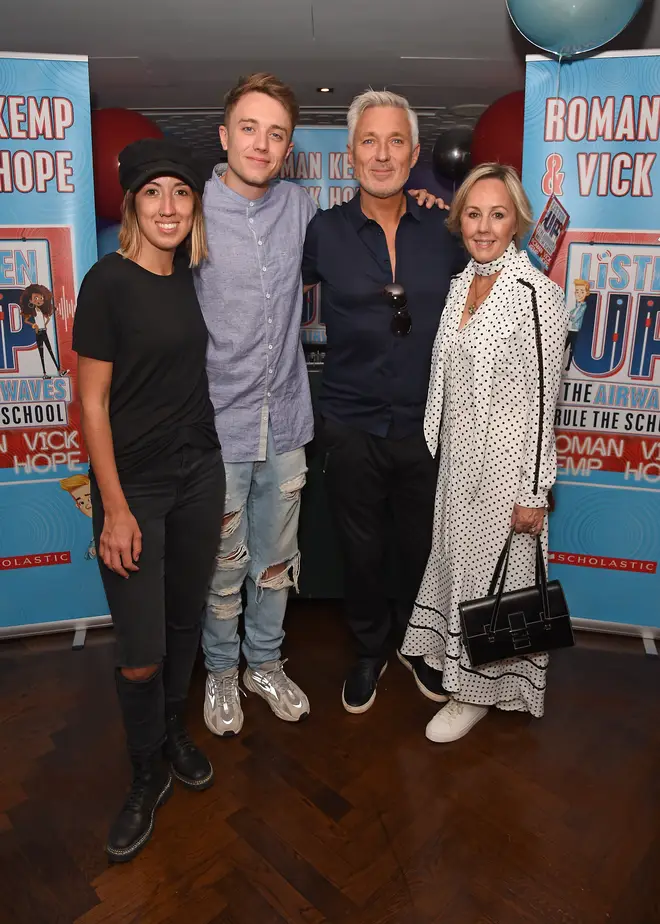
489, 635
518, 630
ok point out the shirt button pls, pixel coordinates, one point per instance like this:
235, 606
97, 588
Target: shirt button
270, 320
252, 205
259, 243
263, 268
251, 220
268, 394
270, 371
270, 346
267, 294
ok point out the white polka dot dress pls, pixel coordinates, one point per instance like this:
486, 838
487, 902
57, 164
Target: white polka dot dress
483, 407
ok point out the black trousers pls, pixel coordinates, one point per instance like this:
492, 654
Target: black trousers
382, 493
157, 612
43, 340
571, 340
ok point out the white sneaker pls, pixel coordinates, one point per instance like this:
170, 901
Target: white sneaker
284, 697
454, 720
223, 713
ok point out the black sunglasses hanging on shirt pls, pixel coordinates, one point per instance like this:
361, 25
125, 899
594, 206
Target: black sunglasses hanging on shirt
401, 323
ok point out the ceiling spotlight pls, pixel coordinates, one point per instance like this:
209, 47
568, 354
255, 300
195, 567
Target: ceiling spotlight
325, 89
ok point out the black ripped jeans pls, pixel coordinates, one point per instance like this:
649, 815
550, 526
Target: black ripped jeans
157, 612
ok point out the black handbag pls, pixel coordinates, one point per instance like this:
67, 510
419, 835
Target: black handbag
519, 622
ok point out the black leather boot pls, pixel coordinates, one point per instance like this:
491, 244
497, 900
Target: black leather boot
151, 787
189, 765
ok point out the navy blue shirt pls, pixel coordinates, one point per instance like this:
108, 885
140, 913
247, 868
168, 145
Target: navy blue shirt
373, 380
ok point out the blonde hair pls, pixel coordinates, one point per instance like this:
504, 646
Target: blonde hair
584, 283
130, 236
73, 482
511, 180
371, 98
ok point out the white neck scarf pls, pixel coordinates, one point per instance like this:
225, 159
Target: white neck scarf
495, 266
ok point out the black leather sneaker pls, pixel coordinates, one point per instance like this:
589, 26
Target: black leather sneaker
360, 685
151, 787
189, 765
428, 680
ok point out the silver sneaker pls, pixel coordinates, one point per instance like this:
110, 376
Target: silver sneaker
284, 697
222, 703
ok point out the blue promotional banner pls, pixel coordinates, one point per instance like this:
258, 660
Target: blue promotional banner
319, 162
592, 130
48, 571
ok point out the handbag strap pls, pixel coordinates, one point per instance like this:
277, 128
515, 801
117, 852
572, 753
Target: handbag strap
542, 579
503, 561
539, 357
504, 556
503, 566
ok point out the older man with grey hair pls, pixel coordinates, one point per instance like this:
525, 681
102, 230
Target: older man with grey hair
385, 264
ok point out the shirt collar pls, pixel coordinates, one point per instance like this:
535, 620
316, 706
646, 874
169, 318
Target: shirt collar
221, 189
359, 219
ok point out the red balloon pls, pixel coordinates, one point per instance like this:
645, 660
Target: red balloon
112, 130
498, 135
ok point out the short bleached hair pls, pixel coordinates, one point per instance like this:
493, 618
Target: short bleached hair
514, 187
584, 283
382, 98
74, 482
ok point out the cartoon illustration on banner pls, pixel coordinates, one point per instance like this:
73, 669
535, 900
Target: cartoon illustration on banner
35, 388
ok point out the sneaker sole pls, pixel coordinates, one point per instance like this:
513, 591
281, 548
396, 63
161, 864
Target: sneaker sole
463, 733
404, 660
123, 856
255, 688
358, 710
429, 694
230, 733
195, 785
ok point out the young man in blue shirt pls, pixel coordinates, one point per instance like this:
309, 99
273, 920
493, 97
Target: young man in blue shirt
251, 295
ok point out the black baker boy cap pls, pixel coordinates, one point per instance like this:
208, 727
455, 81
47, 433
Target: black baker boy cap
149, 158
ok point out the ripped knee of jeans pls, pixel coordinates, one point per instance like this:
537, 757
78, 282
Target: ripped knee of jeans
140, 674
231, 522
293, 486
280, 576
227, 604
237, 558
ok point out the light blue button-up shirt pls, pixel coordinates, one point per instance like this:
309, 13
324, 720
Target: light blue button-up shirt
250, 291
576, 316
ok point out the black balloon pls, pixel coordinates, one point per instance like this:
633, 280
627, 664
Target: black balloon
451, 153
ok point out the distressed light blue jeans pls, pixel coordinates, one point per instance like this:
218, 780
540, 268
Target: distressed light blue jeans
259, 531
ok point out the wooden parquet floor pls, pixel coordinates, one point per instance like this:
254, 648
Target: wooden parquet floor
352, 819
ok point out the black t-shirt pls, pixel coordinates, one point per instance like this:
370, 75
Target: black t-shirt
152, 329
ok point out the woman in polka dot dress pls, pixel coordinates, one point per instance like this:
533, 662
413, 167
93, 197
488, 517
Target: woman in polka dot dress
497, 458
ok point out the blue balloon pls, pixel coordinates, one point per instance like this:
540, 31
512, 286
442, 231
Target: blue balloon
569, 27
107, 239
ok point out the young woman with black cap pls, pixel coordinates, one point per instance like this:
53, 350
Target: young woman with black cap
157, 476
